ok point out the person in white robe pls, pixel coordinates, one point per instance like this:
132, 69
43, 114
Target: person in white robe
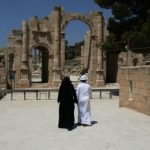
84, 94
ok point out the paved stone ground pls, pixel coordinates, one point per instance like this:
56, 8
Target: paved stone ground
32, 125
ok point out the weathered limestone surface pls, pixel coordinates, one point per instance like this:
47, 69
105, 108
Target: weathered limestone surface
48, 36
135, 88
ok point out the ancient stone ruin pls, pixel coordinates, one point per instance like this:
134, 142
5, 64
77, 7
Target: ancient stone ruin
36, 53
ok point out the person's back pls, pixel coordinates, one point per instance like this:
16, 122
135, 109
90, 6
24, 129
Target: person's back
66, 99
83, 91
84, 94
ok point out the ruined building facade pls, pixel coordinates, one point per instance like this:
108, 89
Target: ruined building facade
48, 36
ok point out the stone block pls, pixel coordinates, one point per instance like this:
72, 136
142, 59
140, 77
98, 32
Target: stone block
147, 85
140, 84
145, 92
123, 83
140, 89
146, 78
147, 71
135, 91
123, 102
123, 94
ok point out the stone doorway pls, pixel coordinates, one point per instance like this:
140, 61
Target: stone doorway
111, 67
39, 65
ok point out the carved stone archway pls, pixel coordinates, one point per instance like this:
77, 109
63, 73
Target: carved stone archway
67, 18
43, 61
49, 34
94, 58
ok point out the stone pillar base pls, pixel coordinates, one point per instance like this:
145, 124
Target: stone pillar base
100, 83
56, 77
24, 83
99, 78
56, 83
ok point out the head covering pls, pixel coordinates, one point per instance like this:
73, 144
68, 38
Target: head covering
83, 78
66, 82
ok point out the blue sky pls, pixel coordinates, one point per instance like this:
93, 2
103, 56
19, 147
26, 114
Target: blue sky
13, 12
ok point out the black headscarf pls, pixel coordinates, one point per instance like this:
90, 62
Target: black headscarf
66, 91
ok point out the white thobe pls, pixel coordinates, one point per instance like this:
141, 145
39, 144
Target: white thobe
84, 93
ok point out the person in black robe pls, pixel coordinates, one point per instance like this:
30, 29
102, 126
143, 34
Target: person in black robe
66, 99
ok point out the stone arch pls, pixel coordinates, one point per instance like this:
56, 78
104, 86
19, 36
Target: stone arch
43, 45
79, 17
76, 70
39, 63
92, 58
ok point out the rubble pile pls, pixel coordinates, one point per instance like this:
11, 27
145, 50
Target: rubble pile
72, 66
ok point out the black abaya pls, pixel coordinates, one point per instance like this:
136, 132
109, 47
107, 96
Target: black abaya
66, 98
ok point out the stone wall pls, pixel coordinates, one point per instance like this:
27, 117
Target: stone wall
135, 88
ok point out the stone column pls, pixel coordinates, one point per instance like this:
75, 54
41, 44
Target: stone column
24, 82
62, 49
87, 44
92, 60
56, 59
82, 57
99, 69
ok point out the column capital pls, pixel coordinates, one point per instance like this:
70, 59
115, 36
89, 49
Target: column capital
63, 34
93, 36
